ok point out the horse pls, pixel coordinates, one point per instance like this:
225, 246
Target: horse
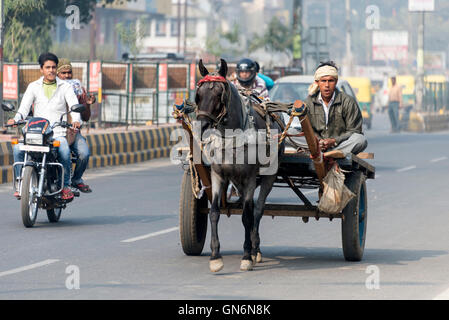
220, 107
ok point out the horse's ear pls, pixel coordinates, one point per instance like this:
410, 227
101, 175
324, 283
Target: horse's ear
203, 71
223, 68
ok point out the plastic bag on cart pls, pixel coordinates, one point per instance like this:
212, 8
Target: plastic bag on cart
335, 194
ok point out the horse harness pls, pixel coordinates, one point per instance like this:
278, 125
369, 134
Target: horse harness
216, 121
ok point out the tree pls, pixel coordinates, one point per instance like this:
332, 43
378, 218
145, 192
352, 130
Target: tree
132, 34
28, 24
277, 38
226, 43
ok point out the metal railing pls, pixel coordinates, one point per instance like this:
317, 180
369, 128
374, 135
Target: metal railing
436, 97
128, 93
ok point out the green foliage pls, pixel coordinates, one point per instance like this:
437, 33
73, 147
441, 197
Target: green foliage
226, 43
277, 38
28, 24
132, 34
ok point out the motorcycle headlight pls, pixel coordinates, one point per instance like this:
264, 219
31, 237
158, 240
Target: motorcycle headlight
34, 138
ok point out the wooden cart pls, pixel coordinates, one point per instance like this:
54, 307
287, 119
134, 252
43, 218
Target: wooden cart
296, 172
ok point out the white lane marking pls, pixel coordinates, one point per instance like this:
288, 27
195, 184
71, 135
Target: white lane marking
406, 169
438, 159
29, 267
115, 170
442, 296
150, 235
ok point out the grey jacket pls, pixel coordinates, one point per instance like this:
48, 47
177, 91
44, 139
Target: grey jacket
345, 117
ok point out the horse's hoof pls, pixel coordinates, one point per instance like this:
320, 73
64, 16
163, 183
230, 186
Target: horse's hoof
216, 265
246, 265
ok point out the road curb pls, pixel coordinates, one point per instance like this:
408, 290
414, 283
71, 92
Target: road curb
110, 149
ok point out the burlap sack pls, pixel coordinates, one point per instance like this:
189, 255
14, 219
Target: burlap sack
335, 194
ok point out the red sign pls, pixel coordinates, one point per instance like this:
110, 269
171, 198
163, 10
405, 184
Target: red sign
192, 76
163, 77
130, 78
10, 82
94, 76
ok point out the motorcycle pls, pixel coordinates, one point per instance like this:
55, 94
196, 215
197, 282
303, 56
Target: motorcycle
41, 181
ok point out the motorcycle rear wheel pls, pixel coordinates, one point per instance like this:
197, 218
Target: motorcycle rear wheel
54, 215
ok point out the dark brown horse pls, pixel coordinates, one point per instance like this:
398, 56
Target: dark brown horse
220, 107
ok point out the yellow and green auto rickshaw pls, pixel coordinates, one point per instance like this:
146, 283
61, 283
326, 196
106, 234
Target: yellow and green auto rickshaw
363, 91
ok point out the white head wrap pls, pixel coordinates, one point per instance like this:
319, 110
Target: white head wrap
324, 71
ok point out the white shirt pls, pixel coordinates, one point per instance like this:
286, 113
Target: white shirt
51, 109
326, 107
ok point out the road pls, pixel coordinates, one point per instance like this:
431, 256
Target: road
122, 241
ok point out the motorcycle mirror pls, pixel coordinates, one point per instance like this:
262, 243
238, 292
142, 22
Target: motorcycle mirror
78, 108
7, 107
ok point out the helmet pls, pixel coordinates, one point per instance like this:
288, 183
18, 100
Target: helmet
246, 65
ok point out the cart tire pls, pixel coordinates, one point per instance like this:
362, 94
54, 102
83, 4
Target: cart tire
192, 223
355, 216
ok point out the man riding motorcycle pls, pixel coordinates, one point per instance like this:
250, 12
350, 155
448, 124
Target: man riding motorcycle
247, 78
49, 94
79, 147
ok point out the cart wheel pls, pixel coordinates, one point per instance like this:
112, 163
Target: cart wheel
355, 214
193, 224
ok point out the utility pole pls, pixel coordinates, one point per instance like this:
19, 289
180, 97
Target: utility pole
297, 31
421, 8
179, 25
93, 37
349, 62
420, 65
185, 26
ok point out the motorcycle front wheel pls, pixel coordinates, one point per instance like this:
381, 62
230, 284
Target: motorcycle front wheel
29, 206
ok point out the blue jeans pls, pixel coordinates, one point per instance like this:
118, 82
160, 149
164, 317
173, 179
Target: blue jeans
393, 112
63, 158
81, 150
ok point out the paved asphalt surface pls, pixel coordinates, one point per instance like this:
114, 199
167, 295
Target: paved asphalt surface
122, 241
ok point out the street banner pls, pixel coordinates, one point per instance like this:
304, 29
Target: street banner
10, 82
94, 76
192, 76
163, 77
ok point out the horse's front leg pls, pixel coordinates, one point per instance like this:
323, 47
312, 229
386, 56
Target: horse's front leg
218, 184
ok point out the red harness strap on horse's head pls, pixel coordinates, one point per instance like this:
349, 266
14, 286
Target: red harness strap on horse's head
210, 78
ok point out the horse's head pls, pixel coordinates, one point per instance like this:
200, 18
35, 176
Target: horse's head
211, 96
